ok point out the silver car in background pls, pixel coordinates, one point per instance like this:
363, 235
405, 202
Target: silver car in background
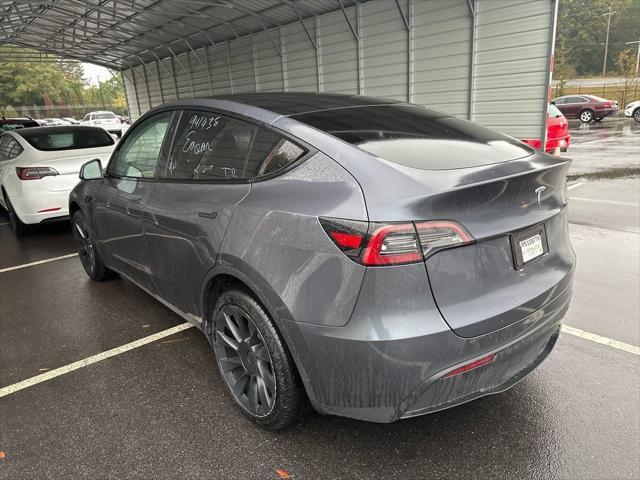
377, 259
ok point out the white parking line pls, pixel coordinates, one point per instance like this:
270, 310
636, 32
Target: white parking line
611, 202
29, 382
610, 342
39, 262
5, 223
575, 185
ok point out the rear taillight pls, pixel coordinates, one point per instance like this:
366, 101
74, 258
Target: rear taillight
440, 234
348, 235
392, 244
377, 244
35, 173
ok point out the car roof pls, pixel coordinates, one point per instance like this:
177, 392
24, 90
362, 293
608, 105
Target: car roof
292, 103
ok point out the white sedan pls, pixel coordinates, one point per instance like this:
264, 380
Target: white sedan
39, 167
633, 110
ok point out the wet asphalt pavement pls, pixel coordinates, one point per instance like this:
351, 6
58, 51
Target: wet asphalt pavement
160, 411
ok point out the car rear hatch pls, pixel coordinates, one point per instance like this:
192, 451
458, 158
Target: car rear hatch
521, 258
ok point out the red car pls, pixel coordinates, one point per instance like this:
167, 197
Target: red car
558, 138
586, 107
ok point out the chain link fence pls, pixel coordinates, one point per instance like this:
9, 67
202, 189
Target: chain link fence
61, 111
623, 94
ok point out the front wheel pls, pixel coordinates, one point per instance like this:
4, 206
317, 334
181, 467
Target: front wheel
586, 116
636, 115
87, 251
254, 362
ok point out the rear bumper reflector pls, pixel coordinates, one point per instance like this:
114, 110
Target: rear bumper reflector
45, 210
470, 366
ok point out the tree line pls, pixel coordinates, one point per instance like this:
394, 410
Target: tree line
581, 36
53, 84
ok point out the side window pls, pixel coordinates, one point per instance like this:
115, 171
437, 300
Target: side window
9, 148
560, 101
209, 146
139, 153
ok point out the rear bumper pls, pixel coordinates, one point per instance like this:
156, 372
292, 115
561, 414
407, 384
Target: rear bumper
43, 206
385, 369
511, 364
605, 112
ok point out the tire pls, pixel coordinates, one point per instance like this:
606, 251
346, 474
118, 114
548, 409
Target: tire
87, 251
17, 226
254, 362
586, 116
636, 115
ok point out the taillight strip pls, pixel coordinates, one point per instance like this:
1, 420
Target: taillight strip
380, 244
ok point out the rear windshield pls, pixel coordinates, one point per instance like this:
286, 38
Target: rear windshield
66, 138
104, 116
416, 137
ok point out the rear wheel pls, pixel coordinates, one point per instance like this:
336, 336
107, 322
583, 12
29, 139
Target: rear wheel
636, 115
254, 362
17, 226
586, 116
87, 251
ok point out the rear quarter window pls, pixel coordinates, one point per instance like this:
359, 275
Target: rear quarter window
9, 148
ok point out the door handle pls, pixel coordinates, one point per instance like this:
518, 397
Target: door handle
135, 200
210, 215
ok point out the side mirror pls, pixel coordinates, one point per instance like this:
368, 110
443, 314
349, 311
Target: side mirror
92, 170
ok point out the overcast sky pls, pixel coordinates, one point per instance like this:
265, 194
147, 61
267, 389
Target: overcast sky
93, 72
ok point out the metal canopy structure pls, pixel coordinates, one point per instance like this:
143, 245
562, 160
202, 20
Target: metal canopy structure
485, 60
124, 33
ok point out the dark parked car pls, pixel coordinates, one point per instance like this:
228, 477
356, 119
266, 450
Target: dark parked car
14, 123
377, 258
586, 107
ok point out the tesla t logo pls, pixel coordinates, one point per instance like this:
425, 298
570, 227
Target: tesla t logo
538, 191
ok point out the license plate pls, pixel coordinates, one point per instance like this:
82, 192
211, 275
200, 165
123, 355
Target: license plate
529, 245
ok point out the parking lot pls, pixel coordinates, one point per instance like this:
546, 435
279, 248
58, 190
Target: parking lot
158, 409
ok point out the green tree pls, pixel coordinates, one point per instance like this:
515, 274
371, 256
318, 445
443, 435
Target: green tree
582, 31
55, 83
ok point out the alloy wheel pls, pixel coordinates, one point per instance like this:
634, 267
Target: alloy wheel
586, 116
244, 360
86, 251
636, 115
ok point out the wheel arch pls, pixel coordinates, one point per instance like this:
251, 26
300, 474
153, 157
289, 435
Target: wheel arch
234, 273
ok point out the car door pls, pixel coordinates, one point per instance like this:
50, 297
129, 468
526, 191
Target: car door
120, 197
207, 173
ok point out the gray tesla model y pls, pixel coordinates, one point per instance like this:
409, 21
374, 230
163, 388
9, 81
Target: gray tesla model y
376, 259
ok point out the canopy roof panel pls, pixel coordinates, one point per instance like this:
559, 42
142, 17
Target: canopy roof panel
125, 33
